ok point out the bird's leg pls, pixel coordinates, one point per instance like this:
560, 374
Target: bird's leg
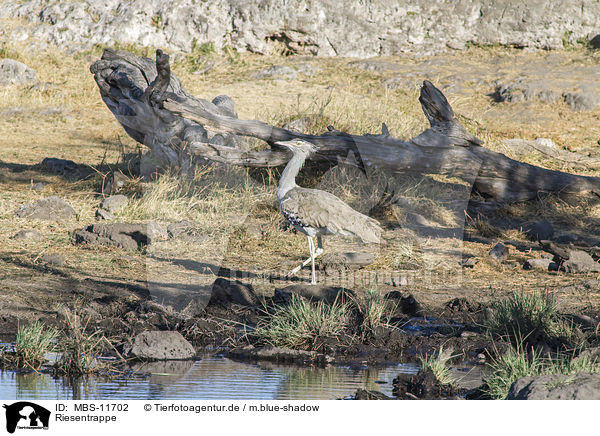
317, 253
319, 246
311, 243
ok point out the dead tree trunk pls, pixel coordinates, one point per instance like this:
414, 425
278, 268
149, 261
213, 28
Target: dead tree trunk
156, 110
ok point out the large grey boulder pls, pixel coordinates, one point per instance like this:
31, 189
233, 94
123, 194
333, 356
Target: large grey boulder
581, 386
114, 203
345, 28
160, 345
580, 262
50, 208
16, 73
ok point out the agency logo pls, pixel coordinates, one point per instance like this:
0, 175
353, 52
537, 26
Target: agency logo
26, 415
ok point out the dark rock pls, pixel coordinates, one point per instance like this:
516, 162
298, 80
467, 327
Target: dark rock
499, 252
160, 345
316, 292
424, 385
539, 231
594, 42
463, 305
364, 394
102, 214
27, 234
580, 262
123, 235
59, 166
407, 304
53, 259
16, 73
537, 264
114, 203
50, 209
226, 292
580, 386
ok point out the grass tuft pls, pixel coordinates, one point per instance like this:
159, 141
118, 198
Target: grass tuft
515, 363
80, 349
532, 318
32, 344
438, 365
304, 325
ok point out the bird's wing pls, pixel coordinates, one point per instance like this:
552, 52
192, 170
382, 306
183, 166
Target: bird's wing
323, 210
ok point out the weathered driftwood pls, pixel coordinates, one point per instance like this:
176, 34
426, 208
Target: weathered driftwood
155, 110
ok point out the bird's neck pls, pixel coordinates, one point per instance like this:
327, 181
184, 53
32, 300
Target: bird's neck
287, 180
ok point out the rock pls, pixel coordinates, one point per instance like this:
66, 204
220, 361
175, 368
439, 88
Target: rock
114, 203
280, 354
28, 234
160, 345
157, 230
499, 252
38, 186
459, 304
276, 71
114, 183
581, 386
364, 394
226, 292
539, 231
594, 42
325, 293
582, 101
355, 29
370, 65
307, 68
580, 262
424, 385
50, 209
53, 259
333, 263
468, 261
538, 264
102, 214
407, 304
16, 73
123, 235
59, 166
226, 104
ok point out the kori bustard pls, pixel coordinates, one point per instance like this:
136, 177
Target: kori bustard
315, 212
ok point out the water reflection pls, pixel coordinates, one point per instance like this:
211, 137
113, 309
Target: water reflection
212, 377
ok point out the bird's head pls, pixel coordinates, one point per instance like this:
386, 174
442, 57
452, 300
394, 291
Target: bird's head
299, 145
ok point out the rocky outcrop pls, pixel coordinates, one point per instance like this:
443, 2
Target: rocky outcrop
318, 27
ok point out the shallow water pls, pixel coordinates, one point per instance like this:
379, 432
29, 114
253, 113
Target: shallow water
211, 377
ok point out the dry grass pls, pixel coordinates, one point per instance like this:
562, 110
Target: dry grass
235, 210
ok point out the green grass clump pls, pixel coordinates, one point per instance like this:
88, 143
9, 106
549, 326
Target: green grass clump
532, 318
515, 363
32, 344
304, 325
376, 310
438, 365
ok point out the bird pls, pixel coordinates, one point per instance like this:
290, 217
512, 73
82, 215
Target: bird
314, 212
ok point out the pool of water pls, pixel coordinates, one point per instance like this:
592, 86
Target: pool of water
211, 377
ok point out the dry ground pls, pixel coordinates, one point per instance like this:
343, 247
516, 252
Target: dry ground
64, 117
